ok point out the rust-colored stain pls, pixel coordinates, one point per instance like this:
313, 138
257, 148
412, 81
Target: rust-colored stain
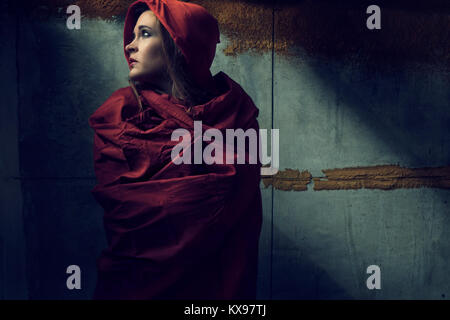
383, 177
411, 30
104, 9
247, 24
288, 179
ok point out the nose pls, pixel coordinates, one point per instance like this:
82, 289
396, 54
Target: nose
131, 47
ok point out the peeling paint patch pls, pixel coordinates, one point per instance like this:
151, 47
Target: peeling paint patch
385, 177
337, 30
288, 179
247, 24
411, 30
105, 9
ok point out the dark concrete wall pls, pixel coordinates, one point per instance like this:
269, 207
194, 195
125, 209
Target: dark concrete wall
369, 134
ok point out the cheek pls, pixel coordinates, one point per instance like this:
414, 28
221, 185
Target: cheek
152, 55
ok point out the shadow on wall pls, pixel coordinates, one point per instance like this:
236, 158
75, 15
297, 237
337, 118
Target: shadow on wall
338, 30
62, 222
295, 276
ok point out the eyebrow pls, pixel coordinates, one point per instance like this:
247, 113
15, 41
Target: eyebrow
142, 27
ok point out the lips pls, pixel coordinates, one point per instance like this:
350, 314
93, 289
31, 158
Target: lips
133, 61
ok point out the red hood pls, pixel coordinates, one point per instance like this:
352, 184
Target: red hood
194, 30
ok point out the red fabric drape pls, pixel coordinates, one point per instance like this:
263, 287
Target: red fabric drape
187, 231
174, 231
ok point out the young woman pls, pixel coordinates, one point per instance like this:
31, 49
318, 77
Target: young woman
174, 231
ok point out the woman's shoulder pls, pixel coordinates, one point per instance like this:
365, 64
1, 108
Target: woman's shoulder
121, 93
110, 110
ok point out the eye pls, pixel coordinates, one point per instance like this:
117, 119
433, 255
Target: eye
145, 33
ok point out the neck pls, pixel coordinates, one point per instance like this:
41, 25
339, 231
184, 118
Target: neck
165, 87
160, 88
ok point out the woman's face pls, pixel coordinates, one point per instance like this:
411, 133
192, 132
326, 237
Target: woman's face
146, 49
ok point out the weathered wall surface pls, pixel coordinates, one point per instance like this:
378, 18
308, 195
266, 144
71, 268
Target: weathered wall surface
364, 143
12, 237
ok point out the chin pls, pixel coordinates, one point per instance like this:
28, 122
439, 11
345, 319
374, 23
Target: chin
133, 75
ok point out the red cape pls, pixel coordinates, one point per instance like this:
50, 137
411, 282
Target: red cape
187, 231
175, 231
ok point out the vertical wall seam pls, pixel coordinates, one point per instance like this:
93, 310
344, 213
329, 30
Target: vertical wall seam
16, 12
22, 208
272, 100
